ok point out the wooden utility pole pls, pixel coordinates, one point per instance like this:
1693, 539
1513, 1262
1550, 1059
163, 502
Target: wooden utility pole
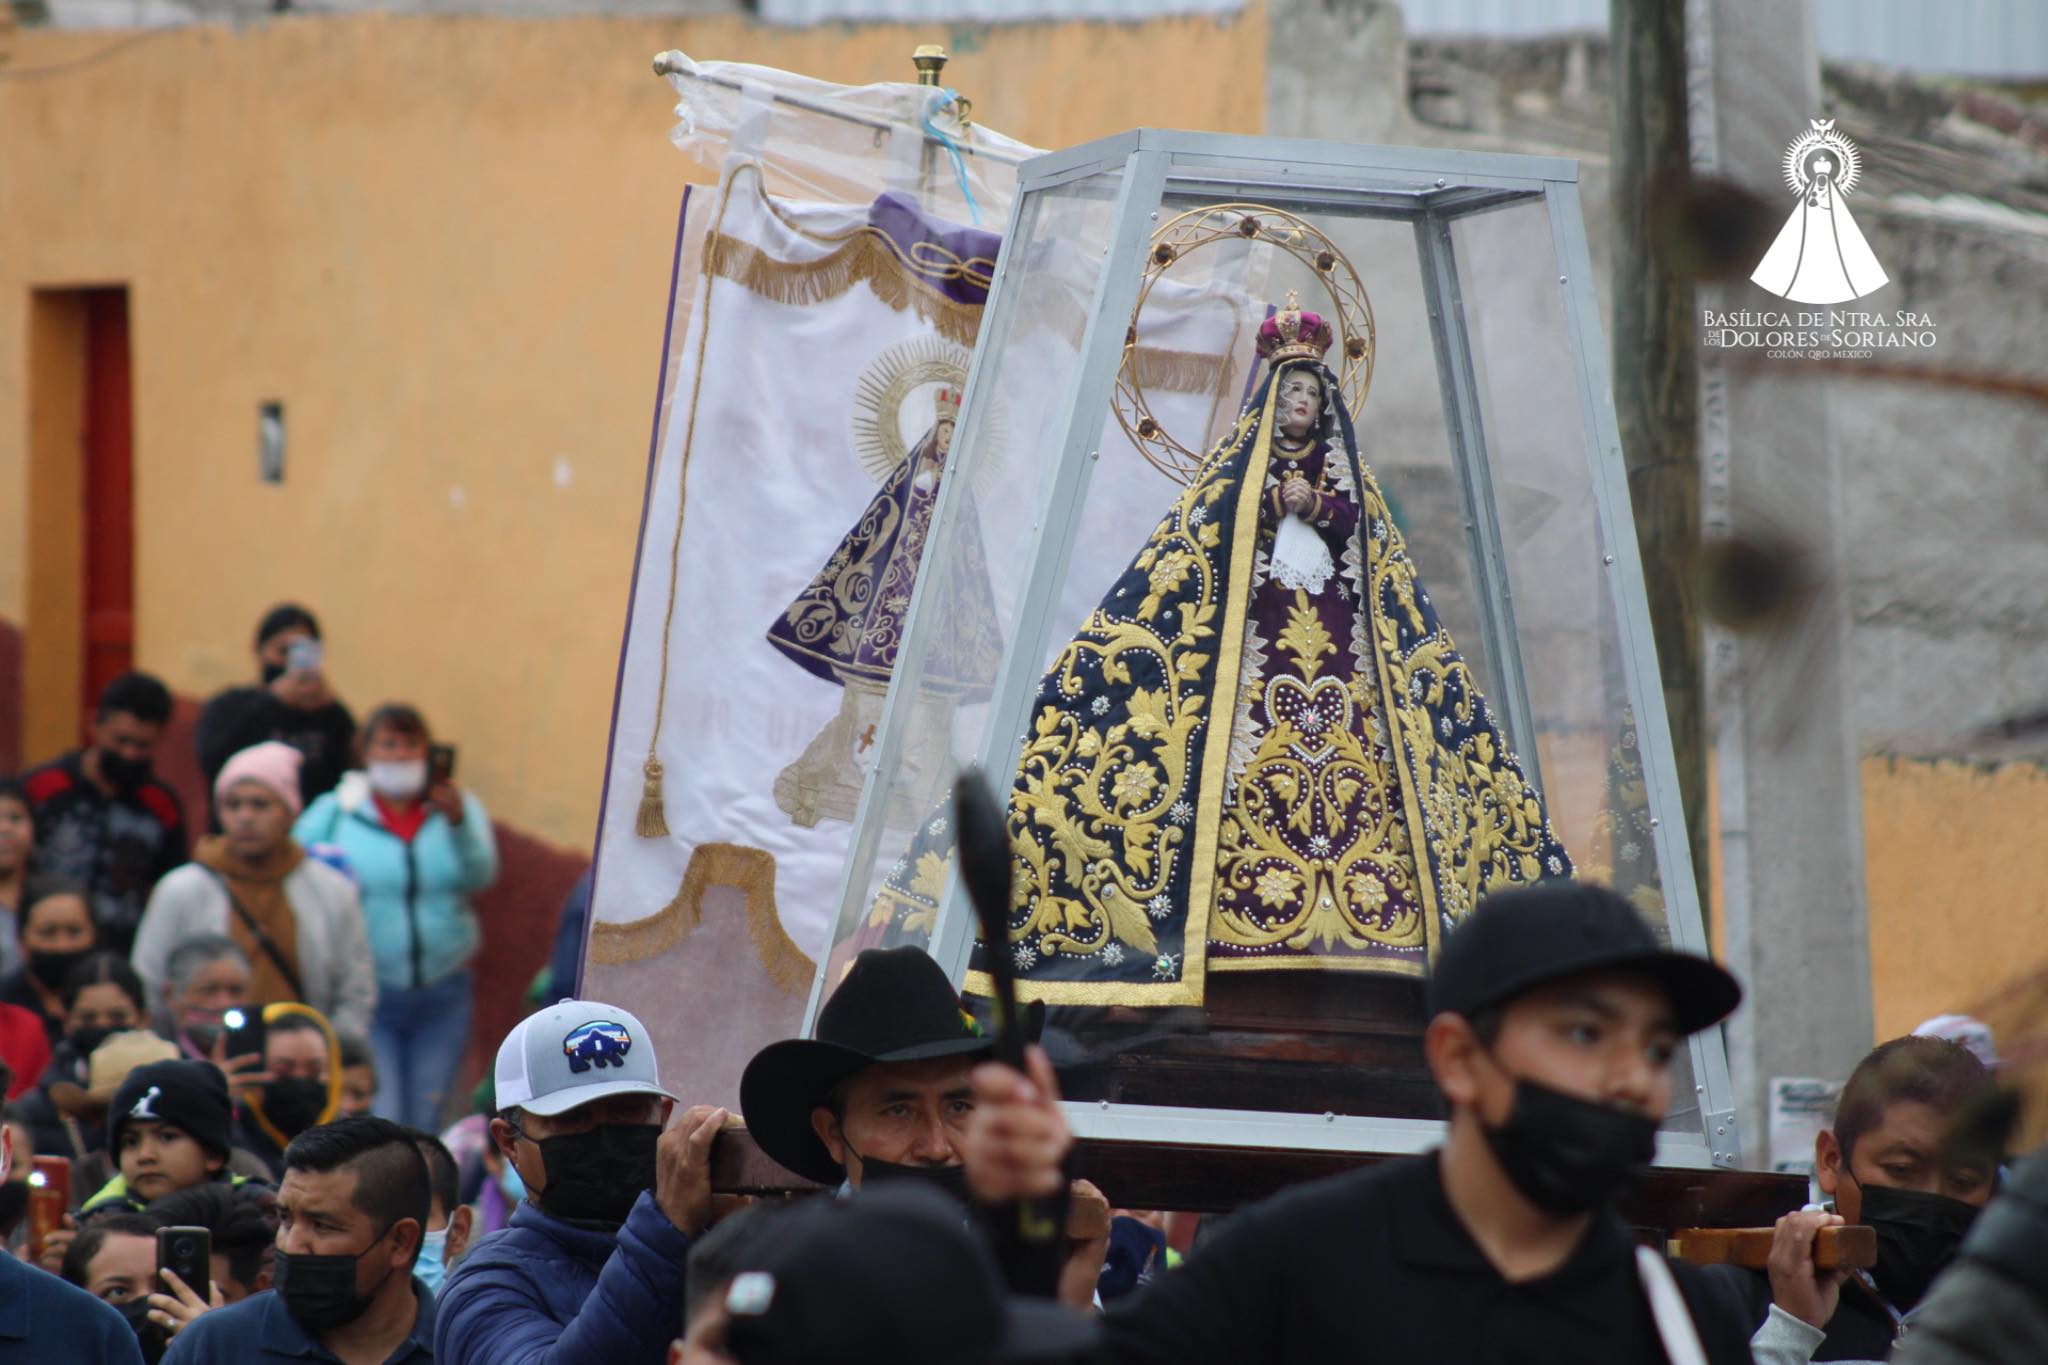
1656, 374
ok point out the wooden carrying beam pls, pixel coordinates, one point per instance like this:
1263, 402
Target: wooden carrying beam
1208, 1179
1851, 1246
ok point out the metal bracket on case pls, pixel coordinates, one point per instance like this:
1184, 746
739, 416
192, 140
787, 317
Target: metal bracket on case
1724, 1139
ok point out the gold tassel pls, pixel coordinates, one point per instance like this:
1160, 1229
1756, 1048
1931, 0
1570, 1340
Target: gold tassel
652, 824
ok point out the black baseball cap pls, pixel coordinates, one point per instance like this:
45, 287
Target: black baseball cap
890, 1276
1530, 936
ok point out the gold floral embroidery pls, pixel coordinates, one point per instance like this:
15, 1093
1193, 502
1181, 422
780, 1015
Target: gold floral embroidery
1310, 831
1305, 637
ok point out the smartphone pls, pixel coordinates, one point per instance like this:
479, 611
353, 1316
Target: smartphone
245, 1032
440, 763
49, 1194
305, 656
189, 1252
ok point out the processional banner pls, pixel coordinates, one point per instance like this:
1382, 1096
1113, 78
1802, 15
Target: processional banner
826, 295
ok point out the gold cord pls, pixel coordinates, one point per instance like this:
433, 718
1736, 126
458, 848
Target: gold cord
652, 822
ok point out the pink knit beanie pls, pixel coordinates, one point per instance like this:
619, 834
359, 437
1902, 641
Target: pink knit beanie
273, 764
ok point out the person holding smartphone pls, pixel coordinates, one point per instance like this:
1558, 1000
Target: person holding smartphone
352, 1211
294, 703
420, 847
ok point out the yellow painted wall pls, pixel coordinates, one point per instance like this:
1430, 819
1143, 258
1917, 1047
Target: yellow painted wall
443, 244
1957, 870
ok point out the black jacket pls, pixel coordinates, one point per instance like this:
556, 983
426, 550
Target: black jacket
244, 716
117, 845
1373, 1266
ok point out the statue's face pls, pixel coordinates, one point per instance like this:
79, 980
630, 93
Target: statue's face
942, 435
1300, 402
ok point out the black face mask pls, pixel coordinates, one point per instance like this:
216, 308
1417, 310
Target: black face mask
51, 968
594, 1176
1567, 1155
151, 1336
125, 773
1917, 1236
82, 1042
295, 1104
951, 1179
271, 673
320, 1291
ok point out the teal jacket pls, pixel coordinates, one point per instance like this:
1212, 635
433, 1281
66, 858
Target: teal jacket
415, 895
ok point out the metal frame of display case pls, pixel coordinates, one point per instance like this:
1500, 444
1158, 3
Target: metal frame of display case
1432, 189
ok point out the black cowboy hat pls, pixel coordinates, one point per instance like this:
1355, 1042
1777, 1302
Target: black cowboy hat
895, 1005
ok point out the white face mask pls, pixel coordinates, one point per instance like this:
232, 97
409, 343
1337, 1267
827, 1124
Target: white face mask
398, 779
431, 1266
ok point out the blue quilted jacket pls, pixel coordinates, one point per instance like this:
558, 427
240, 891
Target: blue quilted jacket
540, 1291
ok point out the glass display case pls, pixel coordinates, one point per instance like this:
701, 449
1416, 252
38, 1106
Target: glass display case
1290, 471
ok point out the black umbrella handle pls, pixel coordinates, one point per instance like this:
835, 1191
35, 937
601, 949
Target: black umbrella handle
984, 841
1029, 1245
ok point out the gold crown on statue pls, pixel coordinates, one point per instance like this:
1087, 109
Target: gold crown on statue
1291, 334
946, 404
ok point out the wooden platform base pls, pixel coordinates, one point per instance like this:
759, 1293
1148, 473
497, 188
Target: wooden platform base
1279, 1042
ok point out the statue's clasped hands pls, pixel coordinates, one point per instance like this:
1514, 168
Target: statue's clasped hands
1297, 497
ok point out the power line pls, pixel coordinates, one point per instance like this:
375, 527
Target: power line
113, 49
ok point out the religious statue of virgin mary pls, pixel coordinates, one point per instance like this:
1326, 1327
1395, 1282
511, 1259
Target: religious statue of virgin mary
1262, 751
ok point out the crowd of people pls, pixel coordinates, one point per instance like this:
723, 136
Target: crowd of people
258, 1041
183, 995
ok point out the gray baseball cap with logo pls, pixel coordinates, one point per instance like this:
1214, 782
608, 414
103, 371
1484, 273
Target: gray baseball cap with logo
573, 1052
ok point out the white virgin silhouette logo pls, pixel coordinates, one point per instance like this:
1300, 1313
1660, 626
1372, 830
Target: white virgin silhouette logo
1820, 255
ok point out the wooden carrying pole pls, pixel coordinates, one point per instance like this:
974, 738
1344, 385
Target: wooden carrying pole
1852, 1246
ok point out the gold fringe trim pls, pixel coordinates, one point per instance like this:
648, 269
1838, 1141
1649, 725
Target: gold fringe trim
751, 872
637, 940
872, 257
1178, 371
868, 257
1058, 312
